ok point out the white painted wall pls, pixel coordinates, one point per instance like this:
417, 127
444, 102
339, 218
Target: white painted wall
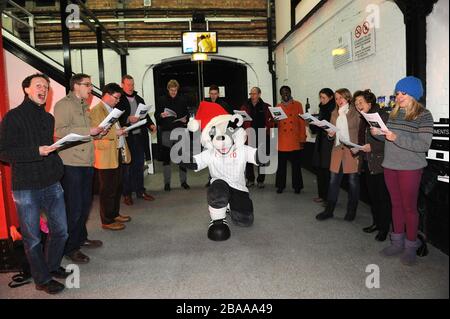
282, 18
305, 62
303, 8
140, 60
17, 71
437, 60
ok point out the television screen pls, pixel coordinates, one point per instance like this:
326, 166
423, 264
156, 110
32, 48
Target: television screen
199, 42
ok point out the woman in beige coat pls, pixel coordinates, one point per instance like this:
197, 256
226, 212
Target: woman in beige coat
346, 118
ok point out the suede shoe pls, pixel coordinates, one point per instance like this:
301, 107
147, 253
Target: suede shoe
122, 219
61, 273
113, 226
52, 287
146, 196
92, 243
127, 200
78, 257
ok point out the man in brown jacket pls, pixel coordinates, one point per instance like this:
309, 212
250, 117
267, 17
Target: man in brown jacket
111, 151
71, 116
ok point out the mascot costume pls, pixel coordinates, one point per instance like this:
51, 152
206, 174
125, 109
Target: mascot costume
226, 156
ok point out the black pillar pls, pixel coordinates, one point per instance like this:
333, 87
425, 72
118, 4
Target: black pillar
415, 17
101, 64
200, 81
270, 61
65, 44
123, 64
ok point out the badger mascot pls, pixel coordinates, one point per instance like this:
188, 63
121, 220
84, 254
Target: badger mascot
226, 156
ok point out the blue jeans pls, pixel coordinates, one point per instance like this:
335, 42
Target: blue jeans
353, 189
29, 204
77, 184
133, 173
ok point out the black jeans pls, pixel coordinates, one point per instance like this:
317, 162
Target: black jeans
379, 198
297, 179
133, 173
77, 184
323, 181
353, 188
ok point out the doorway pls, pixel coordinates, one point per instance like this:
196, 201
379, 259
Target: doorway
222, 72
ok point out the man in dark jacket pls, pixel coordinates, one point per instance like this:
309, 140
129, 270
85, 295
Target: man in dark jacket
26, 136
137, 140
214, 96
171, 113
261, 119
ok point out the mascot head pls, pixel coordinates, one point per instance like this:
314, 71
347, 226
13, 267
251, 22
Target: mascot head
220, 130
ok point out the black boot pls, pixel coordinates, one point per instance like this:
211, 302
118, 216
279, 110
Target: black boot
328, 212
351, 211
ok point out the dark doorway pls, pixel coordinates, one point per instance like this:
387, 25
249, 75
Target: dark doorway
231, 75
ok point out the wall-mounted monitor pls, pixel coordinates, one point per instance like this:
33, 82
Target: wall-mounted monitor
199, 42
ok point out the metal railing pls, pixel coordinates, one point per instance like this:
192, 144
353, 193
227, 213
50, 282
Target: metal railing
26, 19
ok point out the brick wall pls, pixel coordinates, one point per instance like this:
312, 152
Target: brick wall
254, 30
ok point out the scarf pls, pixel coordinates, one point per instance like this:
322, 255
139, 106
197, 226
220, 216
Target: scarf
342, 125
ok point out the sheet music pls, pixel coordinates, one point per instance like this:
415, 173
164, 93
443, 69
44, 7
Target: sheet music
137, 124
70, 138
278, 113
374, 120
141, 110
244, 115
309, 118
111, 119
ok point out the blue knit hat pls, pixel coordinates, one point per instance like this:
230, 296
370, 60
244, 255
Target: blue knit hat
411, 86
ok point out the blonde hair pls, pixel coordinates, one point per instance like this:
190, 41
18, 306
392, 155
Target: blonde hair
173, 84
412, 111
346, 94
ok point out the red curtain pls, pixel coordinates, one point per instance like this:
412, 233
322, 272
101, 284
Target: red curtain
8, 216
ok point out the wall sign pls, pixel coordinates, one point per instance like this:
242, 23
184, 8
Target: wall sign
363, 41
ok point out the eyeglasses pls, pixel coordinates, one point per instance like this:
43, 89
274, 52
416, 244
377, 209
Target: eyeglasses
86, 84
116, 97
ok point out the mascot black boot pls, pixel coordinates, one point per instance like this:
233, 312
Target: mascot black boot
218, 229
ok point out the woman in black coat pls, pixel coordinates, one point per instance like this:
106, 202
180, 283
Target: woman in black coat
322, 148
370, 159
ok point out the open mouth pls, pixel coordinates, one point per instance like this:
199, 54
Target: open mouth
41, 96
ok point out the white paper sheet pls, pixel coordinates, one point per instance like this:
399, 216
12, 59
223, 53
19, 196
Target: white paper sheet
141, 110
111, 119
375, 120
244, 115
70, 138
327, 126
137, 124
309, 118
277, 113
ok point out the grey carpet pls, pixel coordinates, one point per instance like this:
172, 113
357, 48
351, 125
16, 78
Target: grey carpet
164, 252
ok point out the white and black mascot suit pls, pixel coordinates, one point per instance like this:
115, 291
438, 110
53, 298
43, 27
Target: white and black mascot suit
226, 156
